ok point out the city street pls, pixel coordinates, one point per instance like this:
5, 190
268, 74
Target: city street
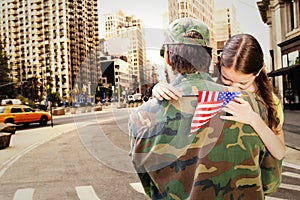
85, 156
101, 59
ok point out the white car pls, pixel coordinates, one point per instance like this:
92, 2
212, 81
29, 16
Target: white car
135, 98
11, 102
129, 98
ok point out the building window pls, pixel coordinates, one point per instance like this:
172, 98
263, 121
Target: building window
293, 58
292, 20
284, 60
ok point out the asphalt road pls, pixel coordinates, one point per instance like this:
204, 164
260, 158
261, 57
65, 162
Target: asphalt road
78, 164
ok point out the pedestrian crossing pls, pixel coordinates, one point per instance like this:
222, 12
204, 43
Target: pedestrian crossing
83, 193
88, 192
24, 194
291, 174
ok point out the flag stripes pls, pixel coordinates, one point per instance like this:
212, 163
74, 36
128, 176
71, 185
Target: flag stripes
208, 105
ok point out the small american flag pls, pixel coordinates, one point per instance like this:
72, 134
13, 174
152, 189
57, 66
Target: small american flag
209, 103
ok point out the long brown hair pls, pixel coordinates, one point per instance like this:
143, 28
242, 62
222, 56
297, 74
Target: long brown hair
244, 53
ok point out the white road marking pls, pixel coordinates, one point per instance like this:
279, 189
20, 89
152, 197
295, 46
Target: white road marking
138, 187
86, 193
4, 166
55, 132
291, 174
24, 194
289, 186
291, 165
273, 198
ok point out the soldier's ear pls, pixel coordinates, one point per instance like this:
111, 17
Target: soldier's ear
166, 56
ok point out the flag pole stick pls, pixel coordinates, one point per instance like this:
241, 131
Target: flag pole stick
189, 95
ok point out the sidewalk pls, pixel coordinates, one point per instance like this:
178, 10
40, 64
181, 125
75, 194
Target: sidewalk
291, 128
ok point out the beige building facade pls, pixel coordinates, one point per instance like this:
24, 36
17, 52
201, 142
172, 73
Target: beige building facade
225, 24
52, 41
119, 25
283, 19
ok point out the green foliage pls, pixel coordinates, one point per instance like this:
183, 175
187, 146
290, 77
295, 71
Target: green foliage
32, 104
7, 88
54, 97
4, 71
22, 98
30, 89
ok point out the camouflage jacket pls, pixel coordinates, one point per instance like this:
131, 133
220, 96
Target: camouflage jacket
223, 160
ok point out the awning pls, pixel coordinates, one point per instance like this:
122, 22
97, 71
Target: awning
282, 71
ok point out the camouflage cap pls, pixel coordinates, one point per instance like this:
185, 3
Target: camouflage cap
188, 31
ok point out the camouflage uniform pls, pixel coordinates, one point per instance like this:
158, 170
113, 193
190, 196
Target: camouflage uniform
222, 160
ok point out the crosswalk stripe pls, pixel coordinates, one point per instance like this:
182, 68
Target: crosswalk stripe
24, 194
86, 193
138, 187
291, 165
289, 186
291, 174
273, 198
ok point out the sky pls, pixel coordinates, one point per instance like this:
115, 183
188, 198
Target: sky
151, 11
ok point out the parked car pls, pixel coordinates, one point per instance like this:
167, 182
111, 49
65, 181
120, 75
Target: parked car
22, 114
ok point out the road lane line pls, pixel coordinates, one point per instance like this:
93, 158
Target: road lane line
24, 194
13, 159
138, 187
4, 166
291, 165
289, 186
291, 174
86, 193
273, 198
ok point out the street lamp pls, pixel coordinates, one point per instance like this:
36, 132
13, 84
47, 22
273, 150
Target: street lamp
118, 86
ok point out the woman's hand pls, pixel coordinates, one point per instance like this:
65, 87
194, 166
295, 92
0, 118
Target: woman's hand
240, 110
165, 91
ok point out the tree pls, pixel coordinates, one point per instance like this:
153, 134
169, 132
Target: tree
55, 98
7, 87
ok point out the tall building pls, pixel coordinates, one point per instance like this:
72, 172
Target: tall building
52, 41
118, 25
115, 78
283, 19
198, 9
150, 76
225, 23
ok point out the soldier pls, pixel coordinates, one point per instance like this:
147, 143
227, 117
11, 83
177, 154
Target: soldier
220, 160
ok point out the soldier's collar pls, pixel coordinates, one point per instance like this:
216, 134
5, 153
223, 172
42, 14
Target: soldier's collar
197, 76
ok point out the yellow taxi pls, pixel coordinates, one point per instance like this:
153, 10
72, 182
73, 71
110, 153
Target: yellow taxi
22, 114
